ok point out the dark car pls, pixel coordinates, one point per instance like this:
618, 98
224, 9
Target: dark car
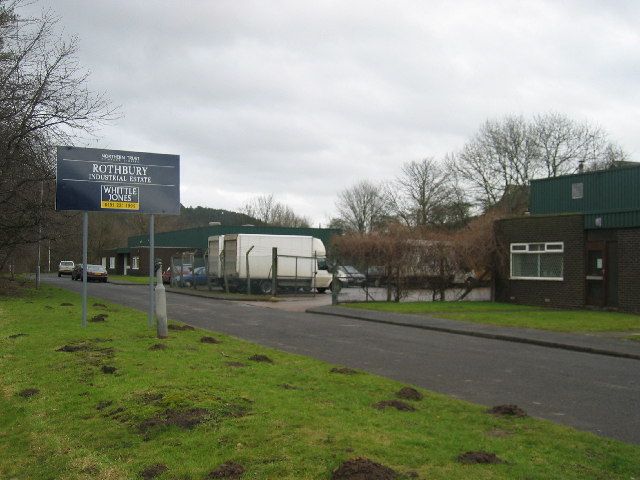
94, 272
199, 274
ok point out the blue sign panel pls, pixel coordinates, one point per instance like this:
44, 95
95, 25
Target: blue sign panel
93, 179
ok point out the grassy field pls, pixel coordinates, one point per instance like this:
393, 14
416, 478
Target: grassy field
112, 402
505, 314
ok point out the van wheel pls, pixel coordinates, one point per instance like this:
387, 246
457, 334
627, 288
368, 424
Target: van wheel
335, 287
265, 287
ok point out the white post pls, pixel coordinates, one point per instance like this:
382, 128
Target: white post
161, 306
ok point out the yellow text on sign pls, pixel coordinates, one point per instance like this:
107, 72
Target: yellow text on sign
120, 205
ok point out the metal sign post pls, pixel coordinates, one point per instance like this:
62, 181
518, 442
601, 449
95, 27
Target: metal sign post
85, 242
152, 263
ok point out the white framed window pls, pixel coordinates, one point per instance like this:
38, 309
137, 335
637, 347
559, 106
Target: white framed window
104, 262
112, 262
537, 261
135, 263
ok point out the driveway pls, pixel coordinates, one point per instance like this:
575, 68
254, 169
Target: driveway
590, 392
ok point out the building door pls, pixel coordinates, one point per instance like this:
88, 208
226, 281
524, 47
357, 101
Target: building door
602, 274
596, 273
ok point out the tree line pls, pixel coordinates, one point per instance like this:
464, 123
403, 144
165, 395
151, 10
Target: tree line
432, 226
491, 170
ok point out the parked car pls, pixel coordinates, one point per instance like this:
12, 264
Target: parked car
94, 272
66, 267
179, 271
199, 275
349, 276
166, 275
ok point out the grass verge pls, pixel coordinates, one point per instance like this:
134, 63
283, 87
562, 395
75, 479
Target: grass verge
112, 402
510, 315
130, 279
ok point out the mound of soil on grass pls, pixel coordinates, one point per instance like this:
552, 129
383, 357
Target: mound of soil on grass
17, 335
209, 340
229, 470
507, 411
261, 358
153, 471
103, 404
66, 304
470, 458
344, 370
397, 404
185, 419
78, 347
363, 469
235, 364
89, 346
409, 393
108, 369
28, 392
158, 346
180, 328
151, 397
116, 413
286, 386
99, 318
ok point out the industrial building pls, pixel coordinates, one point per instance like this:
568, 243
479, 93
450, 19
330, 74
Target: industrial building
134, 258
578, 246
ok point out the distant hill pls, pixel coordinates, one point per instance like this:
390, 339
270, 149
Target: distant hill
201, 216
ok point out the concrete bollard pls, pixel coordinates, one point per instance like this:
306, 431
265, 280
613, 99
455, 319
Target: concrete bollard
161, 305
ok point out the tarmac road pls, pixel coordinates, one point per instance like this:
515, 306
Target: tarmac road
590, 392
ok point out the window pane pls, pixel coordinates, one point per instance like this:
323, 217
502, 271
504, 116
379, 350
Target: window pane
518, 248
551, 265
536, 247
524, 265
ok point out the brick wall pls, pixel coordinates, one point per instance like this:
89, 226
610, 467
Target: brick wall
629, 269
568, 293
164, 253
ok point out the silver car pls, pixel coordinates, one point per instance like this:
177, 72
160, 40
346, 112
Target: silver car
65, 267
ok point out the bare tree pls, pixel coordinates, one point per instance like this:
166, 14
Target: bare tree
268, 210
564, 143
44, 101
424, 194
362, 207
393, 252
512, 151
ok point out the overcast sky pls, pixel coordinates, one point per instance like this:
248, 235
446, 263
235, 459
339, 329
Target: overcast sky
304, 98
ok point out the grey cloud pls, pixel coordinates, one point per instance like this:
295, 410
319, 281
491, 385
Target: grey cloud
304, 98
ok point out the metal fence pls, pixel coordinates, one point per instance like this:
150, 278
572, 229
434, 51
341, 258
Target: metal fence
186, 270
382, 284
251, 274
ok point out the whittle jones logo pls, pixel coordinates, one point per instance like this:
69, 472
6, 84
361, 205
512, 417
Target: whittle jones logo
120, 198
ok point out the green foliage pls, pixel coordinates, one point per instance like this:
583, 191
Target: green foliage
183, 405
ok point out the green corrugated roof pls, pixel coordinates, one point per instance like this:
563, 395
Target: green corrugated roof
613, 196
196, 238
